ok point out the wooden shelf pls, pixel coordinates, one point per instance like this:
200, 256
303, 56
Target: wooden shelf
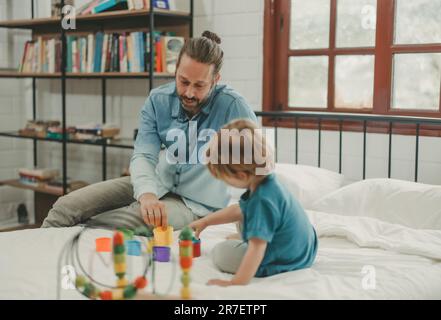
96, 75
17, 184
123, 143
121, 15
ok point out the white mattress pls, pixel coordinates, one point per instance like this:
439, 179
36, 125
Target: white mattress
406, 261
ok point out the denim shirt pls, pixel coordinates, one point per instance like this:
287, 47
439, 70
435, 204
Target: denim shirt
152, 169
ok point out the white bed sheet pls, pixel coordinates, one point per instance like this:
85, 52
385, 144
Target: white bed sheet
403, 269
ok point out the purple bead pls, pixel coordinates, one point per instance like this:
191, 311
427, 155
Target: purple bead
161, 254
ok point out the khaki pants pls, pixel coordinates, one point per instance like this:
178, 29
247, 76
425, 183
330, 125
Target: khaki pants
111, 203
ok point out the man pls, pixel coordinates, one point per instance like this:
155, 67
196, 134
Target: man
166, 192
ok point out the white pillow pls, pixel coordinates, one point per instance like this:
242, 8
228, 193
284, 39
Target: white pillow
411, 204
306, 183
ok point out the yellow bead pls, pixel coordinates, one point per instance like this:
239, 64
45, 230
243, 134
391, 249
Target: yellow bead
118, 294
185, 293
120, 267
121, 282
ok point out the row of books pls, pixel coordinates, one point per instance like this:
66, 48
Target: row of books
51, 129
48, 179
103, 52
98, 6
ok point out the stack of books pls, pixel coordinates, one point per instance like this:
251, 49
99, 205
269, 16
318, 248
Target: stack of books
37, 128
37, 177
95, 132
103, 52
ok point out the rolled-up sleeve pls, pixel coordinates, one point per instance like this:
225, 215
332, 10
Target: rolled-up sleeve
146, 151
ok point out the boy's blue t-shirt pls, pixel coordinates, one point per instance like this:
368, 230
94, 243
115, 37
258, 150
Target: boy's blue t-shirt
272, 214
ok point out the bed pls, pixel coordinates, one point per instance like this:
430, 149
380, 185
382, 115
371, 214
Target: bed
378, 239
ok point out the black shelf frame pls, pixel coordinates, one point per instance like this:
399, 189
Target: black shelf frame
104, 144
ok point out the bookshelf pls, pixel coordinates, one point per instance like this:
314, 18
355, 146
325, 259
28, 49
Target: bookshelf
107, 22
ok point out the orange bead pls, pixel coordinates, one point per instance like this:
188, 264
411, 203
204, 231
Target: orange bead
186, 262
140, 283
106, 295
185, 243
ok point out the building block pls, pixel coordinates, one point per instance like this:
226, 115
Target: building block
133, 247
163, 237
103, 245
161, 254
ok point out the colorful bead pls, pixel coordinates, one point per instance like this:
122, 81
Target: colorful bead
129, 291
106, 295
186, 234
80, 281
185, 293
140, 282
120, 267
119, 258
122, 282
118, 294
90, 291
186, 262
119, 249
185, 251
118, 238
186, 279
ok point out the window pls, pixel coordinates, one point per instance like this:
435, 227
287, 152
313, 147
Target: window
360, 56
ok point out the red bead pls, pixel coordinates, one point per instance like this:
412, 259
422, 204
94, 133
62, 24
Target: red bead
186, 262
118, 238
106, 295
140, 282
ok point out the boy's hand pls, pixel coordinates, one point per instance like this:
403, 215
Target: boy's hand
152, 210
198, 226
219, 282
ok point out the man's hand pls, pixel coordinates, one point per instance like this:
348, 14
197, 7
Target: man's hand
198, 226
152, 210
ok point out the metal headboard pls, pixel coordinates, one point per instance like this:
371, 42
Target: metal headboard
294, 117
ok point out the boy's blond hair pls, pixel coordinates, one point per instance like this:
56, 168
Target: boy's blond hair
239, 147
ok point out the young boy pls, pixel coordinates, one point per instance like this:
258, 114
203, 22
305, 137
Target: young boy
277, 235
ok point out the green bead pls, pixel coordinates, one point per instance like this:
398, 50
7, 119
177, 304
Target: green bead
90, 290
80, 281
119, 258
185, 251
129, 291
185, 279
119, 249
186, 234
121, 275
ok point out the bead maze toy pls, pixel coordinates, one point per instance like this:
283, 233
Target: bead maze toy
123, 244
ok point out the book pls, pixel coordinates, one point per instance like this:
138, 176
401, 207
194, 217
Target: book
171, 47
110, 5
161, 4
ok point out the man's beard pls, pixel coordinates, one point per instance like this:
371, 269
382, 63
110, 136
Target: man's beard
198, 103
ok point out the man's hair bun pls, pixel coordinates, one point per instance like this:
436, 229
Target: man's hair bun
212, 36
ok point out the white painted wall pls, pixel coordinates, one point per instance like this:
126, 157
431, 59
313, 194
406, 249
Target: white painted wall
240, 25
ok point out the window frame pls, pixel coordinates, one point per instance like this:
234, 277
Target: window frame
277, 52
